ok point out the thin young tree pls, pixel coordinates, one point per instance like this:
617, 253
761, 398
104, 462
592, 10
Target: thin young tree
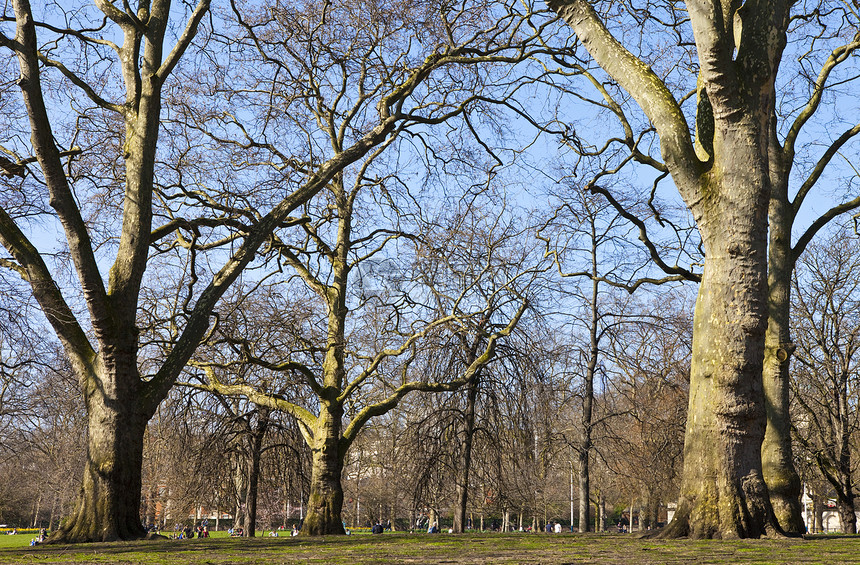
646, 395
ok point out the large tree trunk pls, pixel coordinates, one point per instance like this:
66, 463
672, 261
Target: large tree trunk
724, 180
782, 480
723, 493
108, 506
326, 497
469, 433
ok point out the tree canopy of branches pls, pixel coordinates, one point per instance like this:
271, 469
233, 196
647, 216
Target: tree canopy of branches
319, 207
105, 176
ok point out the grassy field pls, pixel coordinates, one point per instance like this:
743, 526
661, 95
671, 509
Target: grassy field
449, 549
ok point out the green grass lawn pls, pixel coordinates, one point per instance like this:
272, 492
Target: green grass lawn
422, 548
18, 540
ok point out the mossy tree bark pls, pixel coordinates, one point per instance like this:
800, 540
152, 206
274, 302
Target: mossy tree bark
118, 402
721, 32
780, 475
724, 179
723, 493
108, 506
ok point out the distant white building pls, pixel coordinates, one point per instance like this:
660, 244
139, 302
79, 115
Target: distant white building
830, 522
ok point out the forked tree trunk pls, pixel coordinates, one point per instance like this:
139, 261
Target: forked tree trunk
724, 178
108, 506
326, 497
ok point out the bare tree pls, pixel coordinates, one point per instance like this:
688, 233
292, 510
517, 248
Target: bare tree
724, 178
360, 362
103, 187
118, 402
645, 398
586, 230
825, 380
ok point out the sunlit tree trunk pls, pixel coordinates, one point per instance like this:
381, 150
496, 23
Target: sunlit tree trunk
724, 179
723, 493
118, 402
782, 479
326, 497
